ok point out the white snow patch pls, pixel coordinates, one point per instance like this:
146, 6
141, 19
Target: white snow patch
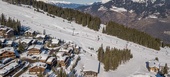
143, 1
153, 16
116, 9
102, 8
105, 1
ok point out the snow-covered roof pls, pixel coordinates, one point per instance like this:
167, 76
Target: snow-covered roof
2, 65
31, 31
6, 59
45, 52
55, 41
50, 59
43, 57
154, 63
26, 40
60, 57
7, 68
9, 42
2, 71
12, 65
59, 53
34, 40
63, 50
35, 46
39, 64
9, 31
10, 49
17, 40
40, 36
38, 46
28, 75
2, 39
3, 28
91, 65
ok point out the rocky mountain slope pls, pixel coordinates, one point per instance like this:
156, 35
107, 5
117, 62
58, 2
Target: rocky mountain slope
150, 16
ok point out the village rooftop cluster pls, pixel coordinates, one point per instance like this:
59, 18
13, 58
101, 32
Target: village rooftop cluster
33, 54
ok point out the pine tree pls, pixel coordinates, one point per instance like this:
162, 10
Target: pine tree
165, 70
21, 47
100, 53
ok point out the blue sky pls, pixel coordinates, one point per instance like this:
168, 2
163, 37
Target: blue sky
82, 1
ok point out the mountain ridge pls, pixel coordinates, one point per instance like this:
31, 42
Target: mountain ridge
141, 16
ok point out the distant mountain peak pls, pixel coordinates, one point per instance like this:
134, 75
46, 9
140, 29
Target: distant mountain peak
63, 4
55, 1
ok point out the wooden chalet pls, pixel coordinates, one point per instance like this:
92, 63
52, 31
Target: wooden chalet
91, 68
6, 32
7, 52
153, 66
51, 61
34, 49
37, 68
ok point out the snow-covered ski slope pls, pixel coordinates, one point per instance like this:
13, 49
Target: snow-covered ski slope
86, 38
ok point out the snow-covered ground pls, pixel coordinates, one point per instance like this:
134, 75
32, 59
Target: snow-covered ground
86, 38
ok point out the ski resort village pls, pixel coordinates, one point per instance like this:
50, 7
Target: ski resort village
37, 43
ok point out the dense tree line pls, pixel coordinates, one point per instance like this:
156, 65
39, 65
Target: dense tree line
66, 13
133, 35
15, 25
112, 58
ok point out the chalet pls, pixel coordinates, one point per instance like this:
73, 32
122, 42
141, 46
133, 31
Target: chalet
7, 52
9, 33
34, 41
9, 43
62, 60
26, 42
153, 65
54, 42
4, 71
2, 40
6, 60
91, 68
77, 49
37, 68
6, 32
43, 57
68, 51
40, 42
35, 49
51, 61
29, 33
40, 36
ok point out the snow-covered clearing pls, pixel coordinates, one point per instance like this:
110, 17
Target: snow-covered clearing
86, 38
